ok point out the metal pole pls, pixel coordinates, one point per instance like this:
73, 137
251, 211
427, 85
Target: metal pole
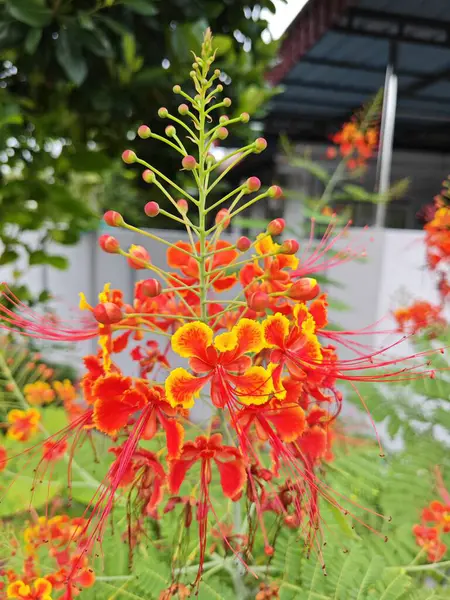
387, 133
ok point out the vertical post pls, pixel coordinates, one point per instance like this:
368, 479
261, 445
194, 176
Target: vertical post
387, 132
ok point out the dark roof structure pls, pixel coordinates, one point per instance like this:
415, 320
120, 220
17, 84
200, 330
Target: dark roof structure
334, 59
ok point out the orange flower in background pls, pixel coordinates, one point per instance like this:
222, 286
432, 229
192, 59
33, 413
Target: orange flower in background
40, 590
23, 424
38, 393
65, 390
355, 144
54, 450
3, 458
419, 316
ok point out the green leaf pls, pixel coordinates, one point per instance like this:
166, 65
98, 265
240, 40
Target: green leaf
70, 56
142, 7
32, 40
129, 49
30, 12
39, 257
222, 44
8, 256
97, 42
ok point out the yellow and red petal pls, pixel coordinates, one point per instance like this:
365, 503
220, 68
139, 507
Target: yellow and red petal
182, 388
253, 387
226, 341
266, 245
232, 476
177, 258
287, 261
276, 330
15, 415
192, 339
250, 335
18, 589
288, 421
42, 586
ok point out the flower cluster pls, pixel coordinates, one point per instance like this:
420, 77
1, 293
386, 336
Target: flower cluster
354, 143
266, 361
435, 525
421, 315
59, 538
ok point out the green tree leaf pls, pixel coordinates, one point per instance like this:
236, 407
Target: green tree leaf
30, 12
70, 56
222, 44
32, 40
142, 7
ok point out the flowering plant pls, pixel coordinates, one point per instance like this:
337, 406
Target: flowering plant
266, 362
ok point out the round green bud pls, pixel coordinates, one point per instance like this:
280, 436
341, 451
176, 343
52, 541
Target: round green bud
163, 112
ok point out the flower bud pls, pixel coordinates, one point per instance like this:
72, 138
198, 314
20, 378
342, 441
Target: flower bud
223, 217
260, 145
253, 184
222, 133
192, 74
109, 244
176, 89
243, 244
113, 218
107, 313
217, 72
129, 157
151, 209
245, 117
151, 288
289, 247
304, 289
275, 191
269, 550
182, 206
210, 159
183, 109
144, 132
276, 226
189, 163
148, 176
226, 102
163, 113
258, 301
170, 131
139, 257
219, 88
223, 120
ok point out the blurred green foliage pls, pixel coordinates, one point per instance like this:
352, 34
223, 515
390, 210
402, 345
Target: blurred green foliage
79, 76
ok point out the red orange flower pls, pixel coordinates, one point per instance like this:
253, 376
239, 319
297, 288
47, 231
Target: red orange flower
40, 590
23, 423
